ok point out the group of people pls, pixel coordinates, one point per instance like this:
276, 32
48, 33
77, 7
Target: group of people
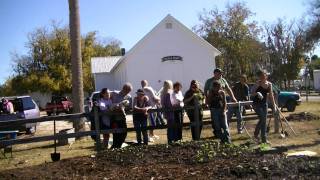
215, 95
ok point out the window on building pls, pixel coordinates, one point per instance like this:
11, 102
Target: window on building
168, 25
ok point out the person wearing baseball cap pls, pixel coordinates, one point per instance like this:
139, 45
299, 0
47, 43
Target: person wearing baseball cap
217, 76
141, 105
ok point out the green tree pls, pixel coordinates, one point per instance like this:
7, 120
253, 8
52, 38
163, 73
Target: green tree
313, 31
286, 47
47, 65
232, 32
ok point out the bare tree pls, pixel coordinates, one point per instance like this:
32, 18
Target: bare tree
76, 61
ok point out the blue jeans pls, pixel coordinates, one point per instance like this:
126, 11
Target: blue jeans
155, 119
238, 112
261, 110
140, 123
220, 124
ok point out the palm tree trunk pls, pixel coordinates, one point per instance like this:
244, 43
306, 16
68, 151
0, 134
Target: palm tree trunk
76, 63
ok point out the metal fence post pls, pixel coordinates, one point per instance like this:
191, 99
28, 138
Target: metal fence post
196, 118
97, 127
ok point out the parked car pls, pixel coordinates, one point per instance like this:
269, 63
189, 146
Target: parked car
24, 108
91, 99
285, 99
59, 104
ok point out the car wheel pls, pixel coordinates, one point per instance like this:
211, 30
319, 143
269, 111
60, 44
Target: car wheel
31, 130
49, 113
291, 106
68, 111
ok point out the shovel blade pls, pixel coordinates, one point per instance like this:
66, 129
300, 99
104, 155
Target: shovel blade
55, 157
286, 133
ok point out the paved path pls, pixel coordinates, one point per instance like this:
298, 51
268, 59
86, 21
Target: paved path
311, 98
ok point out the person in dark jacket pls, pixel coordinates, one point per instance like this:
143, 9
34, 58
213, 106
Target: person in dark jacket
194, 96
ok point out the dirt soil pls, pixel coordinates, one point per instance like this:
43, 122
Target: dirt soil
188, 160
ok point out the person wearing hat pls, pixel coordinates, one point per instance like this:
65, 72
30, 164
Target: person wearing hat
217, 76
260, 92
141, 105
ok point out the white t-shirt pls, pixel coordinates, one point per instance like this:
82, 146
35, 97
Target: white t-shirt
105, 105
177, 98
148, 91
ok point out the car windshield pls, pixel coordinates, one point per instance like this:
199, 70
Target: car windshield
95, 96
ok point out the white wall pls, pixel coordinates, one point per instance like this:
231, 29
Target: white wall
145, 61
316, 79
103, 80
120, 76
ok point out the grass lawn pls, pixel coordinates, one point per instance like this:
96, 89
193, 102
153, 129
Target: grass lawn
39, 153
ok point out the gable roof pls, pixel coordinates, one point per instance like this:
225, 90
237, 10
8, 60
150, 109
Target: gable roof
169, 18
103, 64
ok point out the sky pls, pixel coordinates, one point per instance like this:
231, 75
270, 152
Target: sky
125, 20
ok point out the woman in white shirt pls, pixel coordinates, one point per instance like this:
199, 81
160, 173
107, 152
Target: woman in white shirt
177, 102
105, 104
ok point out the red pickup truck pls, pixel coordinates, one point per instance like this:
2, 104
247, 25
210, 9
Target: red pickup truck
59, 104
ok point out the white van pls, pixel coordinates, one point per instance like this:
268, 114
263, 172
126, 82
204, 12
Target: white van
24, 108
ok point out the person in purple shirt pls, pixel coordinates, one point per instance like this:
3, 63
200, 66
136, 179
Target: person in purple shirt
120, 100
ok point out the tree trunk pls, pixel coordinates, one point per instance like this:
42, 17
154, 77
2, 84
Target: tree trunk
76, 63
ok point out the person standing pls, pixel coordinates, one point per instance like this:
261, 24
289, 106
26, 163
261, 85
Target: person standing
241, 93
217, 76
121, 100
194, 96
154, 100
104, 104
260, 92
140, 116
166, 94
218, 104
177, 102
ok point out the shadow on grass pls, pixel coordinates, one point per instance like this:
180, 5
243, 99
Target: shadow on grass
315, 143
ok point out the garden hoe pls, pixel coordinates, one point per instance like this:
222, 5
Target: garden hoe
287, 122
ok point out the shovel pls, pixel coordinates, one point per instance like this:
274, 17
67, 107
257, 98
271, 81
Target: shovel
268, 127
55, 156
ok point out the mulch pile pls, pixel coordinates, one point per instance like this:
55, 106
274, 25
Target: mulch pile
303, 116
191, 160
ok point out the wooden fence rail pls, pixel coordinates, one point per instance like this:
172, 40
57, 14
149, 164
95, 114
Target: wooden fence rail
97, 132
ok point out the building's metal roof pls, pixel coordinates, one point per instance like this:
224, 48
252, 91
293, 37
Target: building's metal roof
103, 64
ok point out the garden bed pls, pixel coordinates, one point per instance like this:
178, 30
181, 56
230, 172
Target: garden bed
190, 160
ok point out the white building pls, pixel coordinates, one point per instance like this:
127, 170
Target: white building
316, 79
169, 51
